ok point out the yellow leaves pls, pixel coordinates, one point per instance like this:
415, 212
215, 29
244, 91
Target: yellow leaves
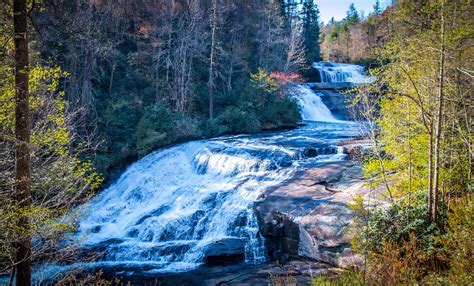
88, 173
262, 80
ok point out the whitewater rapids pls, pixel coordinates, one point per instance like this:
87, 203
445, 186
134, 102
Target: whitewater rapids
169, 208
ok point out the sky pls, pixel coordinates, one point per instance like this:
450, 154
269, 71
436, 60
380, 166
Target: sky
338, 8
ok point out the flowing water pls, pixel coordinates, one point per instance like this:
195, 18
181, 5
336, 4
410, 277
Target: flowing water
171, 207
339, 73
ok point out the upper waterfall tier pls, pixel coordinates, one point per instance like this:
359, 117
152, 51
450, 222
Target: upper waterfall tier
338, 73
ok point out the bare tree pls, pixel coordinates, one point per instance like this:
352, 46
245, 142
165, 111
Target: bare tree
211, 83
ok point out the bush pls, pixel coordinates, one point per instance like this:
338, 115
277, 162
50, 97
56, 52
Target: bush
155, 129
403, 248
458, 243
236, 120
397, 224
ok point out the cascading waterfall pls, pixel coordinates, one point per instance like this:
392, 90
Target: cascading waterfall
339, 73
173, 209
312, 107
173, 205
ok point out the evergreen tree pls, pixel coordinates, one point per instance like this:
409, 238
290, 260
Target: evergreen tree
289, 10
377, 8
310, 18
352, 16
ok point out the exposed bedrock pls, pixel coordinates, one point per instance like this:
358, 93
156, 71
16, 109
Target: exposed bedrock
308, 216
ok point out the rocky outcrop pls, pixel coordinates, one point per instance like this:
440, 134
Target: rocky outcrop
308, 216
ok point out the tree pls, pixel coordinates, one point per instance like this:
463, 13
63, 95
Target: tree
439, 115
310, 19
352, 16
22, 136
211, 83
41, 176
377, 7
423, 117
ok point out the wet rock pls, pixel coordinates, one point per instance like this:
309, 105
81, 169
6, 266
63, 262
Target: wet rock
281, 232
356, 149
307, 216
224, 251
338, 86
320, 149
337, 102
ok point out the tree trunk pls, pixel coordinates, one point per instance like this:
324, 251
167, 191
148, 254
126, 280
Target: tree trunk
212, 59
439, 118
22, 135
430, 172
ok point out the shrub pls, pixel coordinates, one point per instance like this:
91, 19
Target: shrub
237, 120
155, 128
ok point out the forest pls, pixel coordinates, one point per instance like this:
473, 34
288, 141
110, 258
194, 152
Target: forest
205, 142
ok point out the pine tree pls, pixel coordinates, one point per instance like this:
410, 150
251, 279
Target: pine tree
352, 16
311, 31
377, 8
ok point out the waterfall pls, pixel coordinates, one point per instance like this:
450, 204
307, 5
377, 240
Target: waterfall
311, 105
338, 73
178, 207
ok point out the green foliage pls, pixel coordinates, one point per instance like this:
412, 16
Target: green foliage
352, 16
458, 243
132, 131
377, 7
396, 224
59, 178
311, 31
348, 277
236, 120
159, 126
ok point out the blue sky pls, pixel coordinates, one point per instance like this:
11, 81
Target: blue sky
338, 8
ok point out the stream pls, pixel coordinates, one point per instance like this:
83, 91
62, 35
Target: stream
192, 204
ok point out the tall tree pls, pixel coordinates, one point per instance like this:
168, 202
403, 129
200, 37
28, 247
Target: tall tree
377, 7
22, 136
439, 116
352, 16
310, 18
211, 84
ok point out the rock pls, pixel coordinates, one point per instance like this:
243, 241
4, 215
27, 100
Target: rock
281, 233
224, 251
336, 86
355, 149
307, 216
308, 247
320, 149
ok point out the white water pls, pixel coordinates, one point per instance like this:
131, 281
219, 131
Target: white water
168, 208
312, 107
338, 73
173, 204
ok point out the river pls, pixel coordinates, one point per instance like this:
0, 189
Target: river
181, 207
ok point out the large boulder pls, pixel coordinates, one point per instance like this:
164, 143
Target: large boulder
282, 234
